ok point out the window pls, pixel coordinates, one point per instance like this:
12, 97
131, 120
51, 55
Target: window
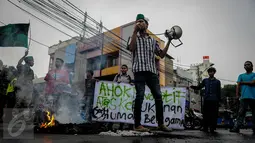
94, 63
112, 59
104, 61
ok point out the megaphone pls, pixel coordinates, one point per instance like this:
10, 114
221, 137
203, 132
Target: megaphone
175, 33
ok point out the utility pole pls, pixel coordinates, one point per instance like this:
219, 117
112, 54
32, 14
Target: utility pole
228, 107
199, 81
84, 24
102, 45
189, 94
82, 74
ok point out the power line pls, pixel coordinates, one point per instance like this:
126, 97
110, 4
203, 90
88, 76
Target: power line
80, 11
127, 58
52, 26
166, 72
69, 18
57, 21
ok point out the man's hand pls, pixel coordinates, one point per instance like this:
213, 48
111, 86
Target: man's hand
137, 28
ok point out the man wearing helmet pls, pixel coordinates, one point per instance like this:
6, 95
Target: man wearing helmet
245, 86
212, 97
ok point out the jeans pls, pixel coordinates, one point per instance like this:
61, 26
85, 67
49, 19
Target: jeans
152, 81
211, 109
244, 103
88, 107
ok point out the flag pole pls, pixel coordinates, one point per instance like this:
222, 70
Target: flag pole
30, 35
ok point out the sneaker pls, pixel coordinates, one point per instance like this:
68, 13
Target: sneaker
234, 130
164, 128
141, 129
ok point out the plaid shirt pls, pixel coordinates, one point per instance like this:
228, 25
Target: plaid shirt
144, 55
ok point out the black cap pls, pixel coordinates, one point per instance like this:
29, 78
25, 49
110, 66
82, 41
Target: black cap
211, 69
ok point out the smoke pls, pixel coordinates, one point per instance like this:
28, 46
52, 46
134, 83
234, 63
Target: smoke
69, 109
66, 107
24, 94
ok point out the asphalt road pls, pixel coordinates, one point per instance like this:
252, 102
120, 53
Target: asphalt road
223, 136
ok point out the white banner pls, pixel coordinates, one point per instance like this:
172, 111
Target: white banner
113, 102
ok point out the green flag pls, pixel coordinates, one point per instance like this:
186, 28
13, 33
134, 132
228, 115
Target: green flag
14, 35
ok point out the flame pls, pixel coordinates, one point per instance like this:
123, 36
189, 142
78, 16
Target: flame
51, 121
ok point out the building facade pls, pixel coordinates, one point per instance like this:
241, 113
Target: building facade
199, 71
183, 78
103, 54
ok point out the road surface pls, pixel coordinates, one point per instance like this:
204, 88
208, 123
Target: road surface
176, 136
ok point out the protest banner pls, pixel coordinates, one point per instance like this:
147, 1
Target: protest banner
114, 102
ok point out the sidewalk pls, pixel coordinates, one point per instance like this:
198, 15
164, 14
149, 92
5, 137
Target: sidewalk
194, 134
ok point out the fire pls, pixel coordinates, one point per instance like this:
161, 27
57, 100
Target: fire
51, 121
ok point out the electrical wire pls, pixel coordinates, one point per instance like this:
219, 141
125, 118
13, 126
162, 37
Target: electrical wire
51, 25
67, 26
72, 19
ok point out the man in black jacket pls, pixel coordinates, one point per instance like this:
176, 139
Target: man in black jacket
212, 98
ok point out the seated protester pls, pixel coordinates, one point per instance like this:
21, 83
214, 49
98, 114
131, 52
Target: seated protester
56, 77
122, 77
11, 91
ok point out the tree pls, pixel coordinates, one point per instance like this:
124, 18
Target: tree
228, 99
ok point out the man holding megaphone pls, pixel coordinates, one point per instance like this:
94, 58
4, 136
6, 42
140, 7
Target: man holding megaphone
144, 48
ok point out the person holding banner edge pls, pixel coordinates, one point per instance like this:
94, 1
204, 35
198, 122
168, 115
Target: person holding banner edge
122, 77
212, 98
143, 48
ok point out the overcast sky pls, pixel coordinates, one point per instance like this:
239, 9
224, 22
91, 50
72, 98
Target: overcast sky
221, 29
